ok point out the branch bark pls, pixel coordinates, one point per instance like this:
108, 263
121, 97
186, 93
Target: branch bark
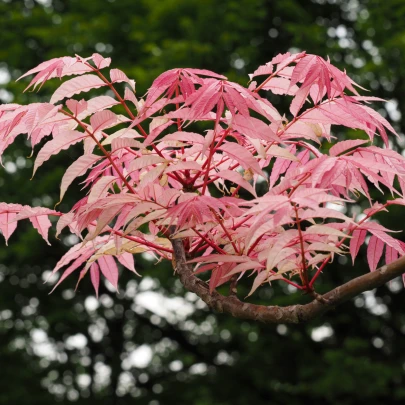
275, 314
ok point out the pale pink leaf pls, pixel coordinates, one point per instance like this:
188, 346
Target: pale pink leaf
220, 259
102, 119
76, 85
324, 230
76, 107
357, 240
97, 104
7, 224
188, 165
64, 221
275, 150
76, 169
258, 281
109, 269
266, 69
127, 260
236, 178
74, 266
63, 141
374, 252
95, 277
344, 146
281, 86
117, 76
241, 155
100, 61
390, 254
42, 224
100, 189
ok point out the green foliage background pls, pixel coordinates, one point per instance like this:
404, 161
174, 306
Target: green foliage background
67, 347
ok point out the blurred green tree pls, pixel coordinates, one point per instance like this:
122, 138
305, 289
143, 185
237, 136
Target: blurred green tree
154, 343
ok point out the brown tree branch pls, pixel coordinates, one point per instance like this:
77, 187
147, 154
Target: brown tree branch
275, 314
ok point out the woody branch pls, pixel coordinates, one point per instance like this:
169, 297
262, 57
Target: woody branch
275, 314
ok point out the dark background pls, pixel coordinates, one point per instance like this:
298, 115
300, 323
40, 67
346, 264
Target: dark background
154, 343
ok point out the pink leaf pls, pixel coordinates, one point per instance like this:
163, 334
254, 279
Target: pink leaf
280, 85
95, 277
266, 69
100, 189
7, 224
102, 119
109, 269
42, 224
258, 281
218, 258
241, 155
77, 168
61, 142
77, 85
117, 76
374, 252
343, 146
390, 255
76, 106
74, 266
236, 178
100, 62
127, 260
97, 104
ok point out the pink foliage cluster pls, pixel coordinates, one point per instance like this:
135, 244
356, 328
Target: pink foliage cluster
153, 173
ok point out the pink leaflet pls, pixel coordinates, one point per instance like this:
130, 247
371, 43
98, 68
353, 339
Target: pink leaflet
102, 119
39, 219
63, 222
103, 219
42, 224
77, 168
109, 269
100, 189
380, 232
7, 224
236, 178
266, 69
77, 85
95, 277
205, 72
390, 254
281, 86
280, 167
127, 260
344, 146
184, 136
374, 252
63, 141
241, 155
258, 281
100, 61
253, 128
76, 107
46, 65
218, 258
204, 99
74, 266
188, 165
97, 104
302, 68
117, 76
58, 67
129, 95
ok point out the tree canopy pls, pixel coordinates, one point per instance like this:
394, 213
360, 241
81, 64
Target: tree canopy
361, 343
